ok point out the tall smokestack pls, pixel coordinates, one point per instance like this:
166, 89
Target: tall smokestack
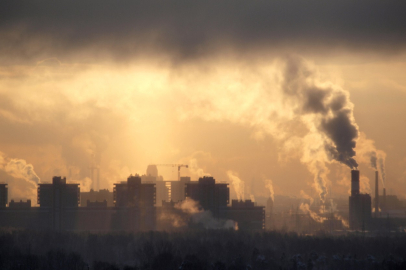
384, 200
376, 194
354, 182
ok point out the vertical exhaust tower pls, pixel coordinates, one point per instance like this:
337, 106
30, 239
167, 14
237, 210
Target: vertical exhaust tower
376, 194
360, 206
354, 182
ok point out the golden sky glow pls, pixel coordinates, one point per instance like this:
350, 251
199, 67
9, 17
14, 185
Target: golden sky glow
222, 107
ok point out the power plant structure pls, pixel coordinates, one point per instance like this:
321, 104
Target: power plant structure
359, 205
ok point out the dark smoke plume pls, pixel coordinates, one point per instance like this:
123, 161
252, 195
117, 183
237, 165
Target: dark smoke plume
373, 160
330, 106
343, 133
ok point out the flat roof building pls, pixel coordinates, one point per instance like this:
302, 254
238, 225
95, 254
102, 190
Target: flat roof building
3, 195
58, 197
20, 204
247, 215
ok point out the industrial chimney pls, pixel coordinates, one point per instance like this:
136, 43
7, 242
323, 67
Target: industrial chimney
384, 200
376, 194
354, 182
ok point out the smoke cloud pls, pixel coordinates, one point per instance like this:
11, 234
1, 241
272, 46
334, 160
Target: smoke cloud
305, 208
201, 217
237, 184
370, 155
285, 99
365, 186
269, 186
298, 108
329, 106
305, 196
343, 220
20, 169
382, 168
85, 184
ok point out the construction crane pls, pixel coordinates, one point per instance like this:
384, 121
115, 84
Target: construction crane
174, 165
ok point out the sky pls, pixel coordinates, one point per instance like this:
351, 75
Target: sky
273, 97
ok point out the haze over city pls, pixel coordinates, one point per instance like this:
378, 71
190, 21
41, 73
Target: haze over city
291, 93
192, 135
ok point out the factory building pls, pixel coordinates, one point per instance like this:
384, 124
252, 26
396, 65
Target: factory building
359, 205
211, 196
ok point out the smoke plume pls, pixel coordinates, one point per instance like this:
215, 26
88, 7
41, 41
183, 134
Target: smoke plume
382, 169
297, 108
343, 220
327, 112
20, 169
237, 184
85, 184
329, 106
305, 196
305, 208
201, 217
195, 170
269, 186
373, 160
370, 155
365, 186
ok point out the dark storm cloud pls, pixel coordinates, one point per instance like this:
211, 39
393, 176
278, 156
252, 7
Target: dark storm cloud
121, 29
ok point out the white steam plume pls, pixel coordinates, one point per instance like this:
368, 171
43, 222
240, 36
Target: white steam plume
20, 169
85, 183
305, 196
368, 154
305, 208
269, 186
343, 220
204, 218
237, 184
195, 170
